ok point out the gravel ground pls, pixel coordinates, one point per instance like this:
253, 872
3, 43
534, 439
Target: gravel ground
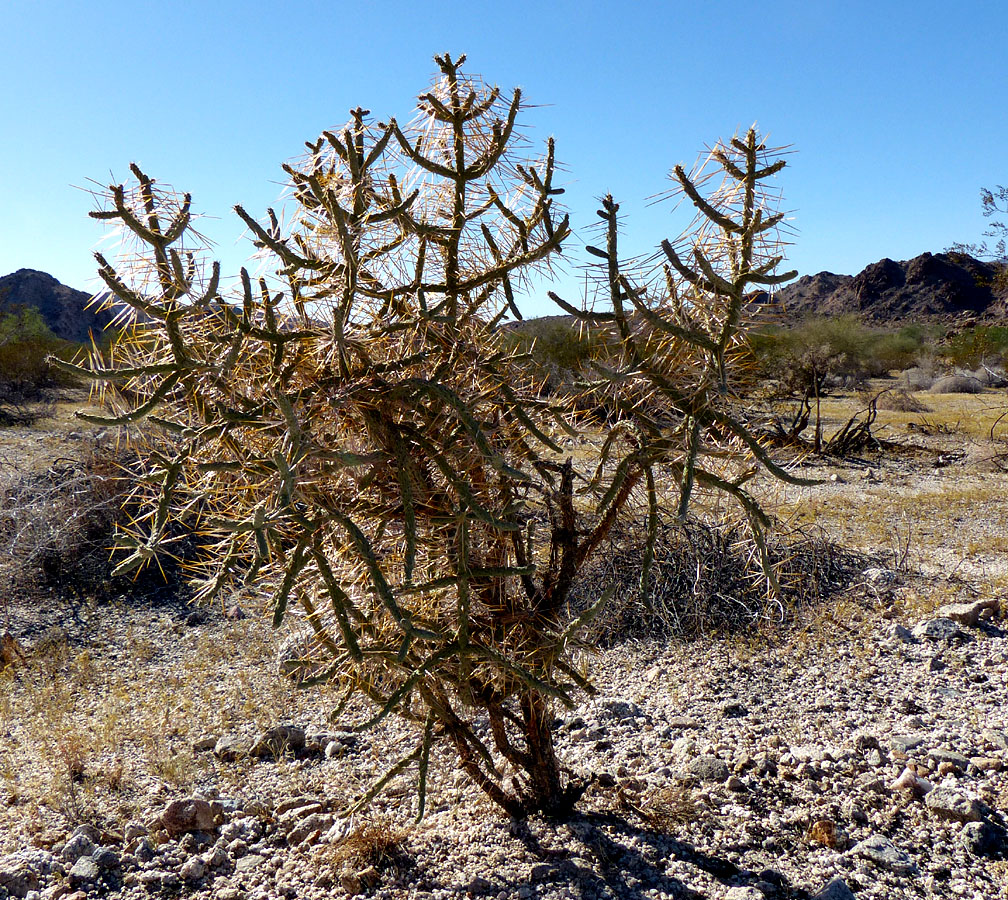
149, 749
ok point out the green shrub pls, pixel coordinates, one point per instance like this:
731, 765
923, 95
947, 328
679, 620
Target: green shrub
819, 354
358, 439
978, 345
25, 343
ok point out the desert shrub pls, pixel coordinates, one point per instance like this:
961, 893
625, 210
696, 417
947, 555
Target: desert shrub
57, 528
357, 441
901, 401
25, 344
956, 384
979, 344
820, 354
706, 582
559, 350
561, 342
815, 356
900, 349
917, 378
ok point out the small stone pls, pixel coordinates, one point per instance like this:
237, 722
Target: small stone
144, 850
133, 830
18, 880
983, 838
995, 738
479, 886
350, 883
79, 845
957, 761
190, 814
865, 741
969, 614
201, 745
193, 870
249, 863
216, 857
279, 740
237, 848
824, 832
885, 854
229, 747
314, 824
906, 743
106, 858
540, 873
735, 784
954, 805
196, 618
235, 613
940, 629
91, 832
836, 889
292, 811
986, 763
904, 635
855, 812
879, 576
369, 877
709, 768
910, 781
84, 871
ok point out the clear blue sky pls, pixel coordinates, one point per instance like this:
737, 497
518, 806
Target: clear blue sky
897, 110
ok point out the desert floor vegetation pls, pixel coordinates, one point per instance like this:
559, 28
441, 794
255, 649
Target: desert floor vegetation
110, 709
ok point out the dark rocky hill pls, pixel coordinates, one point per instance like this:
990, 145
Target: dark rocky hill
67, 312
929, 286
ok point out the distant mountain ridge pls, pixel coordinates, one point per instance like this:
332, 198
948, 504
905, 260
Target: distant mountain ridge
927, 287
66, 311
932, 286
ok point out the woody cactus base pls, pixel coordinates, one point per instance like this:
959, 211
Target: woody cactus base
352, 437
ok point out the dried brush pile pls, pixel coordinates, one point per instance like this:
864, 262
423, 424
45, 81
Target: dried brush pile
706, 581
57, 530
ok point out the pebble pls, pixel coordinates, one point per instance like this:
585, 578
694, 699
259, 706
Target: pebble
953, 804
825, 763
835, 889
84, 871
709, 768
884, 853
941, 629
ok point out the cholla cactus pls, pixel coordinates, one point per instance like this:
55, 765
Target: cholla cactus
355, 439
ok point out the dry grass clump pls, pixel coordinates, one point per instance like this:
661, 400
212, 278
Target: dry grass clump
88, 737
376, 843
957, 384
917, 378
57, 528
707, 580
901, 401
669, 807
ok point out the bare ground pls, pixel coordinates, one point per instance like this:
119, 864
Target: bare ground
111, 710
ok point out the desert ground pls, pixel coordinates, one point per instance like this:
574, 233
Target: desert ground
858, 749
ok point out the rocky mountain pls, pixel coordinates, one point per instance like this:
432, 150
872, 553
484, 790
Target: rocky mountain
68, 312
929, 286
